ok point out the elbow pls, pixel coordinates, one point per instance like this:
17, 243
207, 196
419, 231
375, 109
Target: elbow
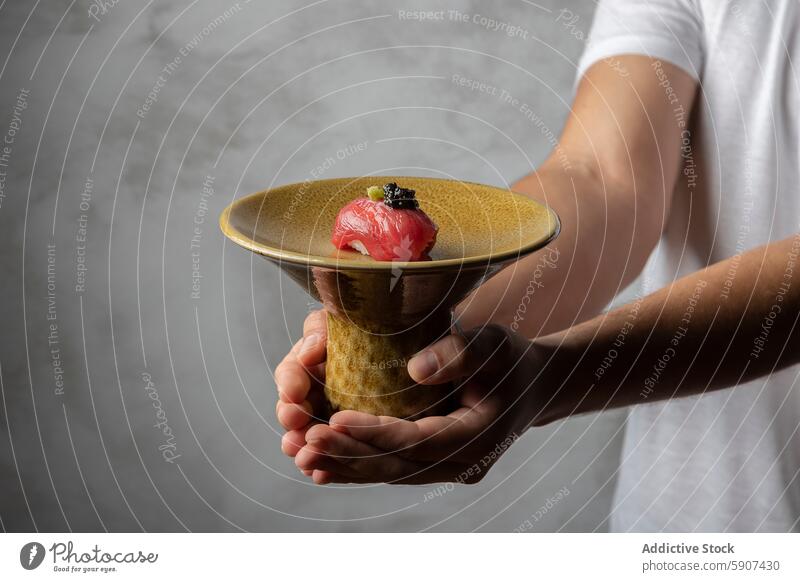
640, 202
634, 210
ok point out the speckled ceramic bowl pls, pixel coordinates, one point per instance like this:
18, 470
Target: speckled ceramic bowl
381, 313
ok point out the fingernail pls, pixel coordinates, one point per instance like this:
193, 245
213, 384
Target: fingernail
423, 365
309, 343
340, 428
333, 422
314, 442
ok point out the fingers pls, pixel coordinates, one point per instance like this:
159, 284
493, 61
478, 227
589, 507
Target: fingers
292, 381
365, 462
293, 375
310, 459
294, 440
458, 356
435, 438
443, 361
387, 433
297, 377
315, 337
359, 457
293, 416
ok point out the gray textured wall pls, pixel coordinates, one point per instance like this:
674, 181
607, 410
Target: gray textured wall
262, 93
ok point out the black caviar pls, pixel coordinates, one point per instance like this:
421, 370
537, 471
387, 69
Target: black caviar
399, 198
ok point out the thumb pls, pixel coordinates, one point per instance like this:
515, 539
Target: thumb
457, 356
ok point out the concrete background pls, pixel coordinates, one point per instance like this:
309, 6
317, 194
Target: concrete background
242, 96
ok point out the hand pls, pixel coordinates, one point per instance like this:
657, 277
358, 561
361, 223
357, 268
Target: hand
494, 370
300, 378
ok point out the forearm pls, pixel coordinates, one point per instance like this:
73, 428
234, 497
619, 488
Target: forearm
600, 250
727, 324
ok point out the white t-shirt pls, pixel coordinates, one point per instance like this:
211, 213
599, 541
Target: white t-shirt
728, 460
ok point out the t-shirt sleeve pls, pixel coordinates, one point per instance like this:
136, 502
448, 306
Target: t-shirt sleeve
669, 30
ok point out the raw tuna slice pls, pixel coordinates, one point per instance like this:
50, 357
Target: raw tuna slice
387, 226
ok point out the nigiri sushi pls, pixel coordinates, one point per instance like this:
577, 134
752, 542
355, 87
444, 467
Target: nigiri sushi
387, 225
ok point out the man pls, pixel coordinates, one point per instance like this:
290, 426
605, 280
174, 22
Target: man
683, 153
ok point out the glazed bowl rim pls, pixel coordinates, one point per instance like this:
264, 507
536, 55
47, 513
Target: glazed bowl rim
335, 263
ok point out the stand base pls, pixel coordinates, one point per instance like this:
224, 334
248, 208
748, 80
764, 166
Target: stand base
366, 368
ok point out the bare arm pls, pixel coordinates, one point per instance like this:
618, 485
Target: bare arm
610, 179
727, 324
